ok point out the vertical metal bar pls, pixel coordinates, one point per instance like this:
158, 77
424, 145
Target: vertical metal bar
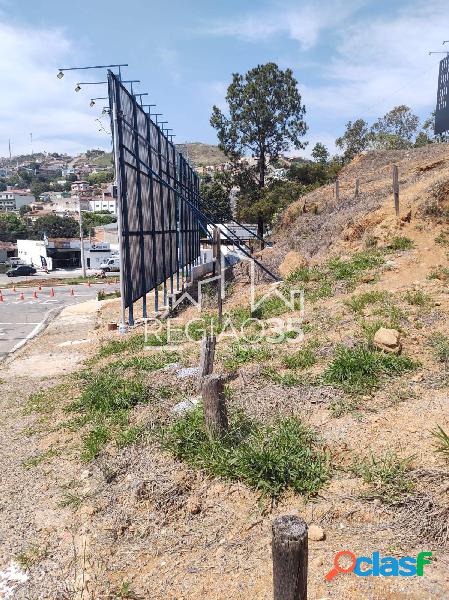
140, 212
153, 214
170, 220
163, 189
178, 217
125, 290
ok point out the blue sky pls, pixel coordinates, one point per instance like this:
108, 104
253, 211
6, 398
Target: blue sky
353, 58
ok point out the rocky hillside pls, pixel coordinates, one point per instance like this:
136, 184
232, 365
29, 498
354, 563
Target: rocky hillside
119, 492
318, 224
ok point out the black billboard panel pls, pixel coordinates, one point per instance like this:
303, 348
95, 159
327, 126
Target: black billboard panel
158, 199
442, 109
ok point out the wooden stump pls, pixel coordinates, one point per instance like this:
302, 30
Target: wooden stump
290, 556
357, 187
207, 356
396, 189
215, 413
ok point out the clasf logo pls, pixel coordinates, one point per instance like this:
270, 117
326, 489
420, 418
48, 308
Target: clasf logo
375, 565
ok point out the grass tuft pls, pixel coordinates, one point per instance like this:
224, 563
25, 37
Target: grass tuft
360, 370
440, 346
441, 439
361, 301
400, 243
387, 475
269, 459
417, 298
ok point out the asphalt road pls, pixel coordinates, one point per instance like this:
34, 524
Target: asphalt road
22, 319
58, 274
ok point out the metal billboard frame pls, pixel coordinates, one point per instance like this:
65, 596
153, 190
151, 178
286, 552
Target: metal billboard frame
159, 220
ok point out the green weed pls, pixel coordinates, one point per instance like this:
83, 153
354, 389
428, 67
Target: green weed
441, 442
387, 475
301, 359
34, 461
417, 298
400, 243
360, 370
269, 459
360, 302
440, 345
240, 354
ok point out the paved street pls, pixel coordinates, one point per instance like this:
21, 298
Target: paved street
58, 274
21, 319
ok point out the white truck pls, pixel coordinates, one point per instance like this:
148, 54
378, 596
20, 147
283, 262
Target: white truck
111, 264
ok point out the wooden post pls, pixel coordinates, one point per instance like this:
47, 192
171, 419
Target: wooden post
207, 355
215, 413
218, 272
357, 185
396, 189
337, 190
290, 556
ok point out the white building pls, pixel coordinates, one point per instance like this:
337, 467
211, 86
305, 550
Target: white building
61, 253
11, 200
104, 203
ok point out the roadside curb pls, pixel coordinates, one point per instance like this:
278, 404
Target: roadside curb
49, 316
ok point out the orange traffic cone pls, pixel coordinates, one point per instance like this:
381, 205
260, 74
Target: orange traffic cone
52, 293
1, 296
21, 297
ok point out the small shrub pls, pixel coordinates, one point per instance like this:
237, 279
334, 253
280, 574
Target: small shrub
360, 369
400, 243
152, 362
441, 442
387, 475
269, 459
440, 345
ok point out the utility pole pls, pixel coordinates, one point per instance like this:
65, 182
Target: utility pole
83, 262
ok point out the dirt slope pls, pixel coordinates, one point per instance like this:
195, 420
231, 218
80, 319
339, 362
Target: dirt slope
133, 522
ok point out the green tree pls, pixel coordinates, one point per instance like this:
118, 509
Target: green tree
3, 186
427, 133
274, 199
356, 139
96, 219
37, 188
100, 177
54, 226
396, 130
215, 197
320, 153
12, 227
266, 117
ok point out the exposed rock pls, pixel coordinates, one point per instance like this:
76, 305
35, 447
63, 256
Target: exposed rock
316, 533
292, 261
387, 340
193, 505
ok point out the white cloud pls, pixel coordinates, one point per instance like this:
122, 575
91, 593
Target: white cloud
382, 62
34, 100
303, 24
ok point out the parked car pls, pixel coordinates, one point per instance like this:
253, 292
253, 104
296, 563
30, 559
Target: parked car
21, 271
111, 264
